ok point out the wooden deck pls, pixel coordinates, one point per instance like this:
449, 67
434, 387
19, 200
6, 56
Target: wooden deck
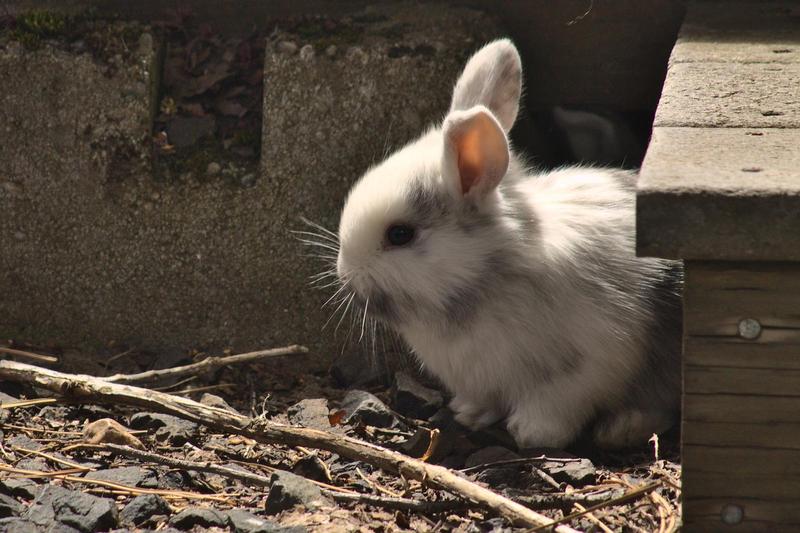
720, 189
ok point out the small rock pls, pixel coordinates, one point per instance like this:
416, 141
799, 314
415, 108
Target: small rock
142, 508
287, 490
186, 131
248, 180
574, 471
20, 487
310, 413
34, 463
367, 407
168, 428
213, 169
22, 525
414, 399
307, 53
111, 431
357, 53
242, 521
83, 512
132, 476
23, 441
312, 467
493, 525
287, 47
199, 516
212, 400
330, 51
490, 454
9, 506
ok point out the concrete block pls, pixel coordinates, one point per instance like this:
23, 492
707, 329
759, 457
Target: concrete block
720, 194
329, 116
732, 95
95, 249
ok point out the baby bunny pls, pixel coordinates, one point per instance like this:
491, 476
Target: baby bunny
519, 290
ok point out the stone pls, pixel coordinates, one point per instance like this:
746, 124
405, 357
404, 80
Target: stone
413, 399
132, 476
286, 47
168, 274
312, 467
212, 400
720, 194
199, 517
74, 509
307, 53
730, 95
576, 472
213, 169
242, 521
287, 490
108, 430
310, 413
20, 487
168, 428
9, 506
140, 509
22, 525
361, 405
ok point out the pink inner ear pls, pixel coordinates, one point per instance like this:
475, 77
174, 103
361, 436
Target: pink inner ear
470, 164
482, 153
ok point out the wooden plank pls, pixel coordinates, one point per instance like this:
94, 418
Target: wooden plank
738, 353
742, 408
730, 292
740, 434
760, 516
774, 464
742, 381
741, 399
733, 485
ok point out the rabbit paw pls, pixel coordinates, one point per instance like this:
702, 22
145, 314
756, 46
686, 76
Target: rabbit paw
632, 427
472, 414
532, 429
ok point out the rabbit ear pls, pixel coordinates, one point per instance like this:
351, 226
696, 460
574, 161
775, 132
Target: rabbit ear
476, 154
492, 78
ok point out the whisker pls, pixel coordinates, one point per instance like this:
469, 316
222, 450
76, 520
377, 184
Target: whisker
319, 245
364, 320
322, 236
319, 227
344, 313
335, 294
336, 310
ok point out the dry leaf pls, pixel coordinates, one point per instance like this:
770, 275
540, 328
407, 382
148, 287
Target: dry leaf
337, 417
110, 431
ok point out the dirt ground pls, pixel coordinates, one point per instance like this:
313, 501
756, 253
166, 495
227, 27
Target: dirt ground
50, 480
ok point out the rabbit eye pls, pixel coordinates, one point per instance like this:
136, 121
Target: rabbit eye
399, 234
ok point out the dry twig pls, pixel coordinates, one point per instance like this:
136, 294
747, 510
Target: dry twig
90, 388
29, 355
206, 365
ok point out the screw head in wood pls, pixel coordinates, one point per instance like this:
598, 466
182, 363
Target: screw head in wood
749, 328
732, 514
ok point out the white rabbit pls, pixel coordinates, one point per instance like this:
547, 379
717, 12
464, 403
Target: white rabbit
519, 290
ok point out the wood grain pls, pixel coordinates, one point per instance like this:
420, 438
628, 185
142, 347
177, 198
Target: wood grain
741, 401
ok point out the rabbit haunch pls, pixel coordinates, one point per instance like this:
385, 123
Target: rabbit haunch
519, 290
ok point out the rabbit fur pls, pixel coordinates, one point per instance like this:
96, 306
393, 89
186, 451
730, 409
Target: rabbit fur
520, 291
